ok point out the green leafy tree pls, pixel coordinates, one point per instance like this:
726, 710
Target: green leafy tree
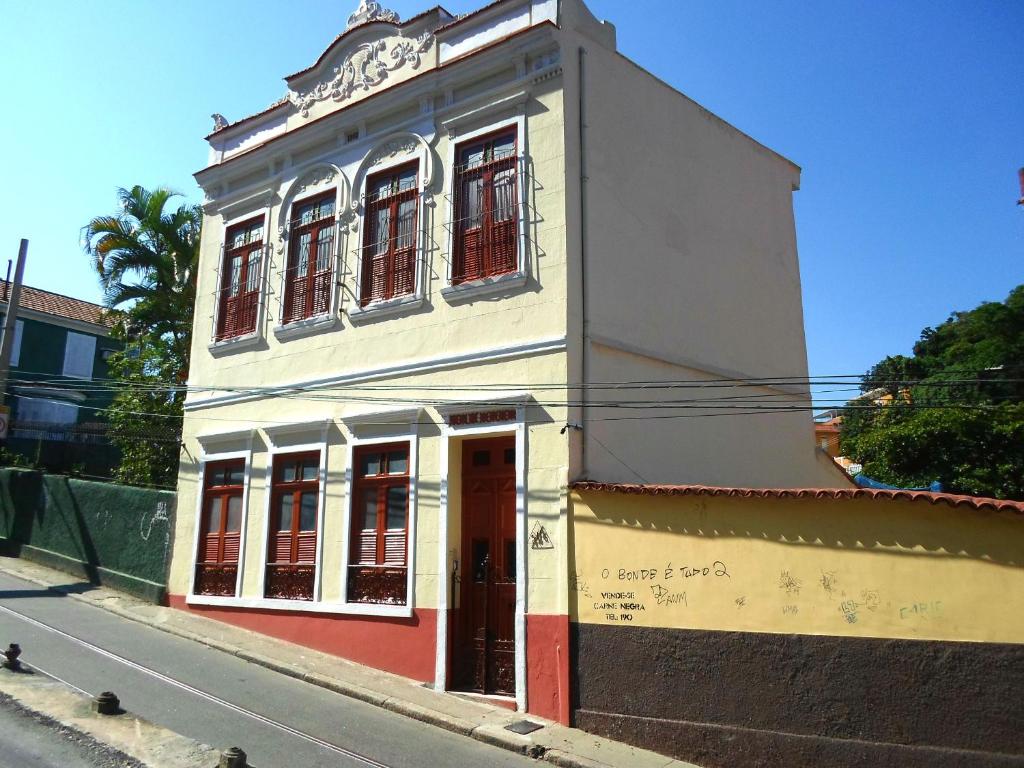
145, 417
146, 257
957, 408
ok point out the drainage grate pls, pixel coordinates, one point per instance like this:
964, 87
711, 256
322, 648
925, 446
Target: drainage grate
523, 727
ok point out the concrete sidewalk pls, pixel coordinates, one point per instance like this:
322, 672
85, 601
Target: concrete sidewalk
553, 743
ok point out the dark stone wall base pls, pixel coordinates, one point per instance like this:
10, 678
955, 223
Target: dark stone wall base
720, 746
763, 699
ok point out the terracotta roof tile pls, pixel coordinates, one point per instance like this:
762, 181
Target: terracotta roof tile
58, 305
953, 500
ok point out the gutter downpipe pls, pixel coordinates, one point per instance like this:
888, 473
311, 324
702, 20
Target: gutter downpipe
585, 361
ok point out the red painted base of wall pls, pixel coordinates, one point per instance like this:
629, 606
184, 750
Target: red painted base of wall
547, 666
403, 646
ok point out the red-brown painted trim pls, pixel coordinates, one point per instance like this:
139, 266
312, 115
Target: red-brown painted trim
953, 500
453, 62
404, 646
547, 666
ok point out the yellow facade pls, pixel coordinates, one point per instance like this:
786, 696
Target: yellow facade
854, 568
597, 296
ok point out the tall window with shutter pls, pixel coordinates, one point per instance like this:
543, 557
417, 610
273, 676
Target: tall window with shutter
239, 300
310, 271
486, 206
389, 244
378, 559
294, 502
220, 528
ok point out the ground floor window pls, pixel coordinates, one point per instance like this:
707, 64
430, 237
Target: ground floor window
378, 558
291, 550
220, 528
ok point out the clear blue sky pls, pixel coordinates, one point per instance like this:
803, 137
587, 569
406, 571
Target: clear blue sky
907, 118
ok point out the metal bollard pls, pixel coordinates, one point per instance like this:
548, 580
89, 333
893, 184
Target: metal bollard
232, 757
106, 703
11, 658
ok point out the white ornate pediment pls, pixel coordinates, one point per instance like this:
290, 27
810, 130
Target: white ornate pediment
372, 48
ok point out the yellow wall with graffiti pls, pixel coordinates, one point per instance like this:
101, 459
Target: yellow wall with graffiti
860, 567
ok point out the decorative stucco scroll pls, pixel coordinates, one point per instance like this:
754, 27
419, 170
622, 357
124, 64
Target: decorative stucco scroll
371, 10
392, 149
363, 68
315, 179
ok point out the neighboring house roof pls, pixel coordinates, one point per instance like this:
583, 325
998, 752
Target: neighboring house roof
58, 305
953, 500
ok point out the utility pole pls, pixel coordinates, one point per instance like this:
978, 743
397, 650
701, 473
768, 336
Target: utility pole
10, 321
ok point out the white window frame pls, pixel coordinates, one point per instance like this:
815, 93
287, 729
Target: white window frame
473, 289
92, 358
277, 449
425, 175
297, 192
253, 338
19, 330
406, 429
459, 431
206, 458
379, 609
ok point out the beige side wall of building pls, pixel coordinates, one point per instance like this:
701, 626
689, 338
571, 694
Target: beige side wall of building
691, 274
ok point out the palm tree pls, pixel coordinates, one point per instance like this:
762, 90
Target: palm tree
147, 259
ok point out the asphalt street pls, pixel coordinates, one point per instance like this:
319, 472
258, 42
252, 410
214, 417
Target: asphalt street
31, 741
219, 699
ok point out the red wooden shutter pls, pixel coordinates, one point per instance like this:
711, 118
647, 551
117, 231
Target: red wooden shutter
366, 545
208, 546
389, 245
503, 218
323, 265
469, 247
404, 252
217, 555
282, 549
232, 542
486, 210
306, 547
394, 547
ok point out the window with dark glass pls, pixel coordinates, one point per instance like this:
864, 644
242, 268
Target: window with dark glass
378, 558
291, 551
389, 243
486, 208
239, 298
220, 528
310, 270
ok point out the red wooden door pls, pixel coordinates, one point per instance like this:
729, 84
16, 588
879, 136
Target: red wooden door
485, 654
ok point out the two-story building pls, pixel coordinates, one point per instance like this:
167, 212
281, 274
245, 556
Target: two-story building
55, 387
464, 262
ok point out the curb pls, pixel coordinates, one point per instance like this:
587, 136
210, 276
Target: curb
487, 733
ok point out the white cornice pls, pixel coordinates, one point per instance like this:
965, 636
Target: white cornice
495, 399
394, 417
514, 101
441, 362
234, 435
433, 83
309, 427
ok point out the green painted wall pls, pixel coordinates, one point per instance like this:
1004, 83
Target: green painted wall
109, 534
42, 357
41, 360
